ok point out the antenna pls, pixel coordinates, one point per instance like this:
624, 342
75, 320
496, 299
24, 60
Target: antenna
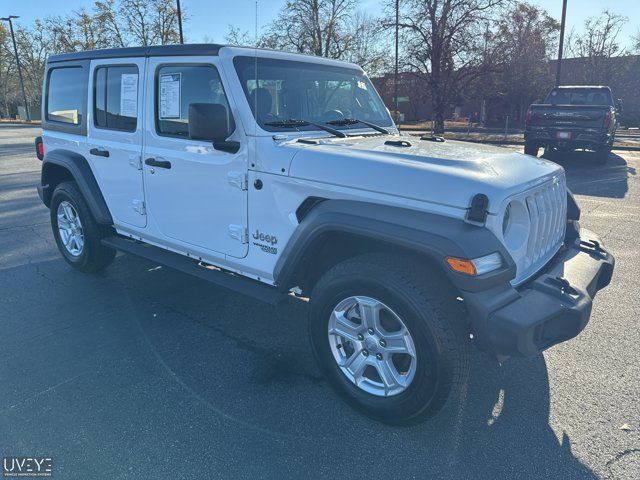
255, 40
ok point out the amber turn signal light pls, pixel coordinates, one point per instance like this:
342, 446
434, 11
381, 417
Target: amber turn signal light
461, 265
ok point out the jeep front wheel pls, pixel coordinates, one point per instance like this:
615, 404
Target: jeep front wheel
76, 232
390, 339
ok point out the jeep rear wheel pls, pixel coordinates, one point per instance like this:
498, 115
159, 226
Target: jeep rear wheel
390, 339
76, 232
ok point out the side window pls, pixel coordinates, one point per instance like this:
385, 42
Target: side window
64, 95
177, 87
115, 97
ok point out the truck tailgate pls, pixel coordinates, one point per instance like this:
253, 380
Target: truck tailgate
583, 116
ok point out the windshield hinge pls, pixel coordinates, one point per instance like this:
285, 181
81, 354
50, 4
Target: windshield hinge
139, 206
239, 232
135, 161
238, 179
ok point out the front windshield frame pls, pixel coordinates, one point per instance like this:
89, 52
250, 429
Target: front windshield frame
249, 69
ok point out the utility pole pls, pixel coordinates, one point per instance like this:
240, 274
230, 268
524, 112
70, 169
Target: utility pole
561, 46
15, 49
395, 75
180, 23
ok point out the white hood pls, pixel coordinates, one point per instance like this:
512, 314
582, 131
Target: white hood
448, 173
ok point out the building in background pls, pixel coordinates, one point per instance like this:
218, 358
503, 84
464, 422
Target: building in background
489, 106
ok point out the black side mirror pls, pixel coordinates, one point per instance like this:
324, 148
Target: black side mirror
208, 121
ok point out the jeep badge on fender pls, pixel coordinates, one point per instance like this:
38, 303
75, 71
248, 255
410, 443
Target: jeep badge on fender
379, 231
271, 239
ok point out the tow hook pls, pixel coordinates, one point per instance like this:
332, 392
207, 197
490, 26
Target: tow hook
563, 284
591, 246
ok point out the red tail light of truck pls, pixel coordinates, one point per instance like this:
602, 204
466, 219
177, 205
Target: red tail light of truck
607, 119
527, 117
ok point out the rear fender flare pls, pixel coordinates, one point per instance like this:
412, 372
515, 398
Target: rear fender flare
79, 169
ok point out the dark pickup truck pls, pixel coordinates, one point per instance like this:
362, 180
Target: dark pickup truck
571, 118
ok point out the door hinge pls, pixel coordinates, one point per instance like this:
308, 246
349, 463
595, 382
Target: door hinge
139, 206
135, 161
238, 179
239, 232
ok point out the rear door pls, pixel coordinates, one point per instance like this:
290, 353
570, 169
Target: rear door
115, 135
196, 195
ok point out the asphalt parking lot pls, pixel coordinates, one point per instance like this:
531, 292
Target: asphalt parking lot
141, 372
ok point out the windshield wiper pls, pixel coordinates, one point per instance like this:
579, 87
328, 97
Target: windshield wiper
304, 123
353, 121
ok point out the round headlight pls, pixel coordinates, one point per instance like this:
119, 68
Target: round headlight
515, 225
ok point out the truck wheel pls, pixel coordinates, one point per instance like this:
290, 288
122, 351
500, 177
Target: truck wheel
390, 337
530, 149
76, 232
602, 154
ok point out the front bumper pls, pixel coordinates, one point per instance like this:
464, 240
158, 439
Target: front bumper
553, 307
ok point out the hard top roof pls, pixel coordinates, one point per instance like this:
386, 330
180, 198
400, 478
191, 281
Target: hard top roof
151, 51
193, 49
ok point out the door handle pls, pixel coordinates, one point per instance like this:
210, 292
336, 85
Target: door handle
152, 162
99, 152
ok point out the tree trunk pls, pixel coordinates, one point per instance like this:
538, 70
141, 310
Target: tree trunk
438, 116
439, 123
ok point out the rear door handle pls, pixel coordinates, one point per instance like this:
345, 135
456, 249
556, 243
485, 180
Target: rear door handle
99, 152
152, 162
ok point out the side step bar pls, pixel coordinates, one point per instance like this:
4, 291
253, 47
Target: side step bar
222, 278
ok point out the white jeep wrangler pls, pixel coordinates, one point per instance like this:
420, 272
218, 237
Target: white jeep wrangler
277, 174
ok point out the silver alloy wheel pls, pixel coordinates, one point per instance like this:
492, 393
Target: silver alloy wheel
372, 346
70, 228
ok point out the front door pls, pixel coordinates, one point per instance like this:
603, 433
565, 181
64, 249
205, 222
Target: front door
195, 195
115, 136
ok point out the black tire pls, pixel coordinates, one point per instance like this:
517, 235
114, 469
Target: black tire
429, 309
94, 256
602, 154
530, 149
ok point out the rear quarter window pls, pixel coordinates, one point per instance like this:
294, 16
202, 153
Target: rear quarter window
110, 110
65, 95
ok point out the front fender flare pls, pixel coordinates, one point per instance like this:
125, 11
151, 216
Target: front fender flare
433, 235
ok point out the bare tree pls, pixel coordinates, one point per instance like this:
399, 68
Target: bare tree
598, 43
33, 45
635, 43
8, 84
165, 22
136, 15
367, 46
444, 44
106, 13
317, 27
109, 23
526, 38
237, 37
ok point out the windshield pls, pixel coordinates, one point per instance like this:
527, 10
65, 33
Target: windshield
579, 96
283, 90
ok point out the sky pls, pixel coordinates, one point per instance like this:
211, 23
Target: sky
211, 18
